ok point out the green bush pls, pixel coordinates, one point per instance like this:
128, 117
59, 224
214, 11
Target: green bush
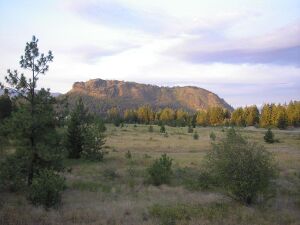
196, 136
110, 173
193, 179
246, 170
13, 173
128, 155
162, 129
212, 136
190, 129
269, 136
205, 180
46, 189
161, 170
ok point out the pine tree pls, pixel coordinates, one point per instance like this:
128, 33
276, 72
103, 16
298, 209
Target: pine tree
32, 125
75, 132
5, 106
269, 136
162, 129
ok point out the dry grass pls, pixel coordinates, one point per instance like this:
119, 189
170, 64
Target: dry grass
114, 191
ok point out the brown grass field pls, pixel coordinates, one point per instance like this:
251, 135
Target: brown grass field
115, 192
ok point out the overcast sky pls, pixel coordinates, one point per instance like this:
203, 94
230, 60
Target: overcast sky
247, 52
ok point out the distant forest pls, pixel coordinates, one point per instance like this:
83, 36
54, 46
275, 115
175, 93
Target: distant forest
271, 115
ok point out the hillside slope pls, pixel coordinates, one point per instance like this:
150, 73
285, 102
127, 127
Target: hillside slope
100, 95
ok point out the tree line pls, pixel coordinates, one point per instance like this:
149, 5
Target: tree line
271, 115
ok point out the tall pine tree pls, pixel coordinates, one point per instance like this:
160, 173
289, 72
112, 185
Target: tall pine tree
32, 125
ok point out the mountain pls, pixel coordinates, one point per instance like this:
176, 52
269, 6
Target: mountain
100, 95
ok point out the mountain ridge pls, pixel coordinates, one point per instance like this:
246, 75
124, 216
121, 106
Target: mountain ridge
98, 93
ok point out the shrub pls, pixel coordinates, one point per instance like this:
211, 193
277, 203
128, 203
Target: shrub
46, 189
212, 136
117, 122
190, 129
184, 213
269, 136
162, 129
128, 155
160, 171
196, 136
13, 173
146, 156
206, 181
110, 173
244, 169
150, 129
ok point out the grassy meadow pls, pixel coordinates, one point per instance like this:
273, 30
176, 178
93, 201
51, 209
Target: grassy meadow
116, 191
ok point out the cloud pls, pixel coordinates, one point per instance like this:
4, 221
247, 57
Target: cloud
280, 47
91, 54
284, 56
117, 15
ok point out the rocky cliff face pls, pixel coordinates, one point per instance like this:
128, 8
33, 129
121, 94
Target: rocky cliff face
99, 95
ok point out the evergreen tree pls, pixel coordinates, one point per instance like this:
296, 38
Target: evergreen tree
32, 125
269, 136
162, 129
5, 106
93, 141
85, 134
75, 132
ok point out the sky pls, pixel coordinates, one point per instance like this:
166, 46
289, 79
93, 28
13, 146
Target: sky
247, 52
